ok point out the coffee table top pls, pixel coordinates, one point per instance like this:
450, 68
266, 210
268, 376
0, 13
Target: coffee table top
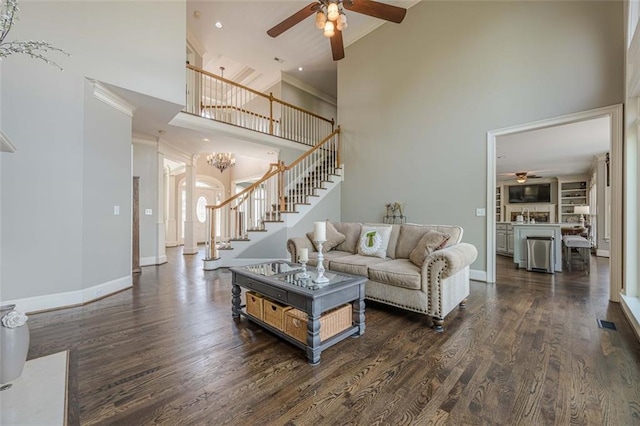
291, 274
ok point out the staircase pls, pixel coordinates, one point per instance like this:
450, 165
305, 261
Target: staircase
278, 200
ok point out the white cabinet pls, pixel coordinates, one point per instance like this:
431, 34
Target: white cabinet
510, 239
501, 239
504, 238
572, 193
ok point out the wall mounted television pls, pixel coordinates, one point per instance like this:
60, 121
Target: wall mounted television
538, 193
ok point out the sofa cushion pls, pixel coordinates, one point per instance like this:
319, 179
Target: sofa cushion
328, 257
374, 241
352, 234
355, 264
334, 238
410, 234
393, 238
398, 273
430, 242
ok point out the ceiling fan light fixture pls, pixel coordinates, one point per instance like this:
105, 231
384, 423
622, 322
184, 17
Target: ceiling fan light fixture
342, 22
521, 177
332, 11
329, 30
321, 19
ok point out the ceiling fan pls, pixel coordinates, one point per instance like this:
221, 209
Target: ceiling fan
522, 177
331, 18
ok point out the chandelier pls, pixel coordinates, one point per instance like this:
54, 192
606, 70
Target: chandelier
221, 160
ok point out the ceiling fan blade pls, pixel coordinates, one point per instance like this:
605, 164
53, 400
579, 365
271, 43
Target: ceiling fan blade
337, 46
376, 9
294, 19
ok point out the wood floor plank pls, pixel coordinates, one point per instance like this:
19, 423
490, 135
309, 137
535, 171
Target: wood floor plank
526, 350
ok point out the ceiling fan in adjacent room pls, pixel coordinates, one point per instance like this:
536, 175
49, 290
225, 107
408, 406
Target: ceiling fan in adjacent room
331, 18
522, 177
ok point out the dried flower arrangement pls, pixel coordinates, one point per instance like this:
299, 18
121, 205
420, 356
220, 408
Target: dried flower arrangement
35, 49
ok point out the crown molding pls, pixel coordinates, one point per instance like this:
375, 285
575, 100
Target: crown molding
195, 44
114, 101
311, 90
5, 143
142, 139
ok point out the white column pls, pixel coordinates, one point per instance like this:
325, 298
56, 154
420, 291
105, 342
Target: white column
161, 254
190, 243
171, 233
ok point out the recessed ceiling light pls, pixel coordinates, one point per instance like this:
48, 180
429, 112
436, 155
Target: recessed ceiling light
196, 14
205, 139
218, 24
300, 69
278, 60
500, 157
270, 153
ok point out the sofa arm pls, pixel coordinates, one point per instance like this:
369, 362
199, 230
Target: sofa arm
451, 259
295, 244
442, 266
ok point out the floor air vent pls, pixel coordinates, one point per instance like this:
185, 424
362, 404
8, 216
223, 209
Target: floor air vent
606, 324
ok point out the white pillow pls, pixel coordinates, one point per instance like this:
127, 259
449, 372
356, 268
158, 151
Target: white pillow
374, 241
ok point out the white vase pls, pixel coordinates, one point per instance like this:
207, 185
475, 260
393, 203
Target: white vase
14, 347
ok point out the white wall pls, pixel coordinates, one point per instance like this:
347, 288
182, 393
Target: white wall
417, 99
50, 213
106, 182
145, 165
308, 101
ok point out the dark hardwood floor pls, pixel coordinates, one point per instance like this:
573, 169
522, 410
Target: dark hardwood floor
527, 350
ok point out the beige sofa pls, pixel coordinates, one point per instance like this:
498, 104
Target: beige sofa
435, 289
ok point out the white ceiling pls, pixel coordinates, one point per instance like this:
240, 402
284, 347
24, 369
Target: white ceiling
555, 151
247, 53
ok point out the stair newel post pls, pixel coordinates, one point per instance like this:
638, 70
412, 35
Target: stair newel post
338, 148
211, 233
271, 113
281, 186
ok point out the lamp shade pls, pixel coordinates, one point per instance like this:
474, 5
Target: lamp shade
581, 210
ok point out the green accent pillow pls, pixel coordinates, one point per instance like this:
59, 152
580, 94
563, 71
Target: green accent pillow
374, 241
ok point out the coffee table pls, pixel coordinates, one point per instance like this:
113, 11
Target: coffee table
281, 281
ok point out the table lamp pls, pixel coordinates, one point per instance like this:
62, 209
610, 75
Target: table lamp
582, 211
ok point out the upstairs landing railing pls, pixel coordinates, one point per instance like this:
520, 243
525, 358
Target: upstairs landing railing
279, 191
216, 98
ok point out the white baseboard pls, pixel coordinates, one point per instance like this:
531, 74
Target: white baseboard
189, 250
477, 275
602, 253
152, 260
70, 298
631, 309
171, 244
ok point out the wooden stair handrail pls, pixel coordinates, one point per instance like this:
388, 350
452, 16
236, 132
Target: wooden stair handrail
312, 150
274, 170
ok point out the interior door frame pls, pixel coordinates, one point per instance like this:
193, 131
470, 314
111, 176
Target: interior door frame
615, 115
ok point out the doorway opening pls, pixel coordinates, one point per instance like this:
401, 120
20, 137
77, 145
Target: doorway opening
614, 116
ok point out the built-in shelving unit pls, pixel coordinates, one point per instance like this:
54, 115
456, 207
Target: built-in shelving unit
498, 204
573, 193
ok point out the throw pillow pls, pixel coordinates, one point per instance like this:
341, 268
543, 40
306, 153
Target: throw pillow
374, 241
430, 242
334, 238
